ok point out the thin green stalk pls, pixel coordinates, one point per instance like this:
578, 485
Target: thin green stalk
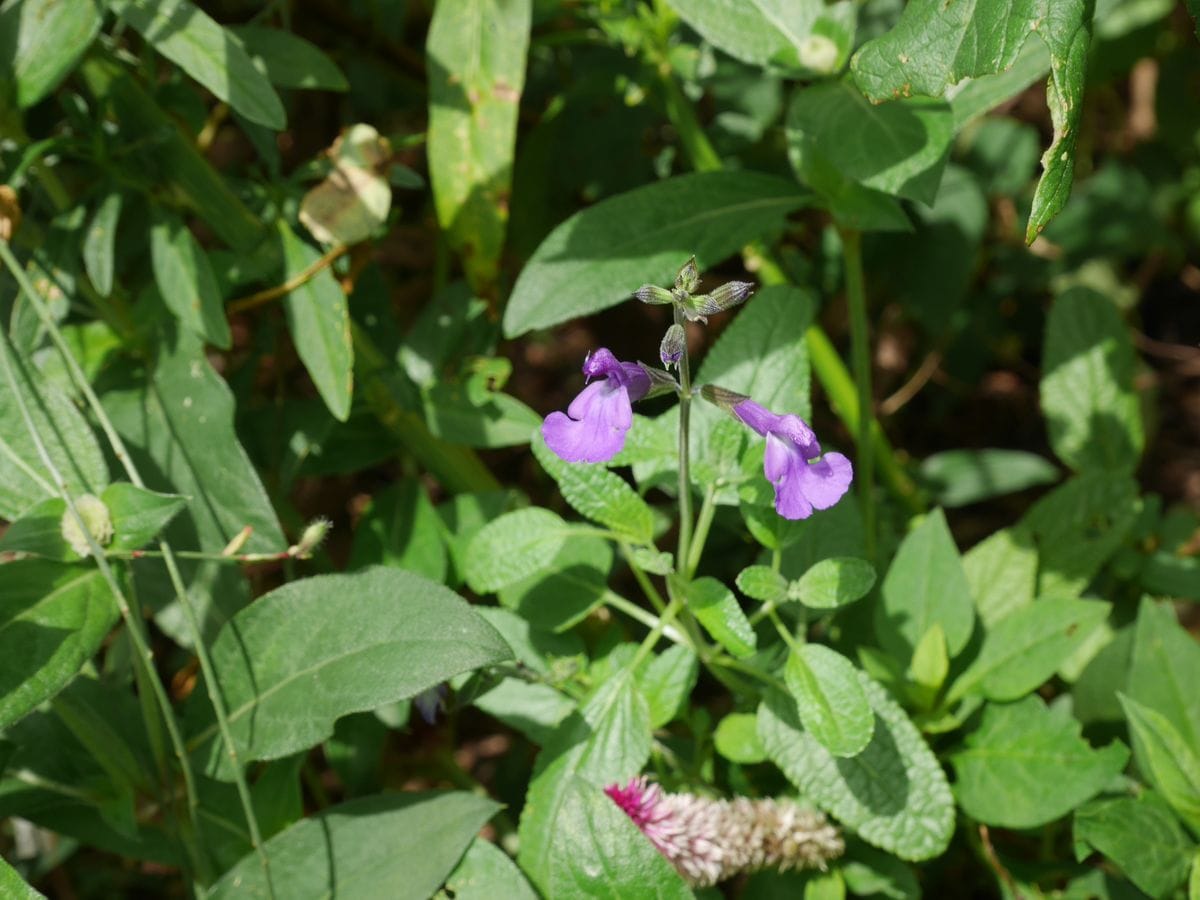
190, 617
860, 353
647, 645
784, 632
685, 483
143, 656
643, 580
703, 523
617, 602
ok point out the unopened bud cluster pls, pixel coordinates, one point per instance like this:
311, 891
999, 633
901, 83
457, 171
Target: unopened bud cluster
96, 518
695, 307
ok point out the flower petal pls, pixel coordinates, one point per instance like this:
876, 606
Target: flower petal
757, 417
598, 434
825, 482
798, 431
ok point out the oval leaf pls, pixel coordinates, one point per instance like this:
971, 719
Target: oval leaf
832, 705
186, 281
717, 609
513, 547
833, 582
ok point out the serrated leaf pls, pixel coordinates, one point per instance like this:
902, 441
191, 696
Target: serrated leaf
185, 280
53, 617
830, 699
1026, 765
1087, 393
475, 61
898, 148
599, 494
1166, 758
43, 40
646, 232
1164, 669
833, 582
317, 649
484, 873
318, 318
666, 681
390, 845
934, 47
962, 477
1026, 647
513, 547
289, 60
1002, 572
925, 584
717, 609
736, 739
893, 794
1142, 836
762, 583
187, 36
99, 242
607, 742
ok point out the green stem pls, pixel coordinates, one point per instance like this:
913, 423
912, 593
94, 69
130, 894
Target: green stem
685, 482
703, 523
643, 580
860, 353
616, 601
647, 645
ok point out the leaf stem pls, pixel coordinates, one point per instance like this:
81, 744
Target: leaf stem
860, 353
631, 609
274, 293
703, 523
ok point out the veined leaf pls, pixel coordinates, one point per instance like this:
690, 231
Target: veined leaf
486, 872
717, 609
317, 649
645, 235
833, 583
666, 681
1164, 669
759, 32
1002, 572
830, 699
1142, 836
513, 547
43, 39
1166, 758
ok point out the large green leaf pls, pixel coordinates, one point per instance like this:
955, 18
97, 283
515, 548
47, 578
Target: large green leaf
599, 852
1026, 647
290, 61
599, 494
601, 255
1087, 390
1166, 758
315, 650
962, 477
1002, 572
925, 585
1026, 765
513, 547
935, 46
1164, 669
832, 704
42, 41
186, 281
760, 32
475, 60
484, 873
893, 794
52, 619
186, 35
394, 846
14, 886
575, 583
68, 439
318, 318
896, 148
1142, 836
607, 742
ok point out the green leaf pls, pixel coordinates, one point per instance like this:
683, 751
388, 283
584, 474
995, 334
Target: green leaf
475, 62
736, 739
484, 873
833, 583
762, 583
14, 886
666, 681
317, 649
893, 794
717, 609
934, 47
138, 515
644, 235
1002, 572
896, 148
1167, 759
599, 494
574, 585
187, 36
38, 531
1026, 765
1087, 392
760, 32
533, 709
869, 871
925, 584
99, 243
599, 852
930, 665
52, 620
831, 701
186, 281
1164, 669
513, 547
1026, 647
67, 436
496, 420
390, 845
318, 318
961, 477
1142, 836
42, 41
400, 528
289, 60
607, 742
1078, 526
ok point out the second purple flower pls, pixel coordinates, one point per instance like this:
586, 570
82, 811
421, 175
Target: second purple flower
594, 425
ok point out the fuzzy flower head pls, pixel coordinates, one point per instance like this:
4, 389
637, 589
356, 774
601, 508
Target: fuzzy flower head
803, 479
709, 841
594, 425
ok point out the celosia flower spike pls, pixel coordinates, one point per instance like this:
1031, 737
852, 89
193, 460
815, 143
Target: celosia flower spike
594, 426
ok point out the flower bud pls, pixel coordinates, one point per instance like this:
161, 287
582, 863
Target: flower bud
671, 350
310, 540
725, 297
660, 382
649, 293
96, 518
688, 278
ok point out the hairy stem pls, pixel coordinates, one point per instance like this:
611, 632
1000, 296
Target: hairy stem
685, 482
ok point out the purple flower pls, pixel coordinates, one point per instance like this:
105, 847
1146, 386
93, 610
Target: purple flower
709, 841
430, 702
593, 428
802, 481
